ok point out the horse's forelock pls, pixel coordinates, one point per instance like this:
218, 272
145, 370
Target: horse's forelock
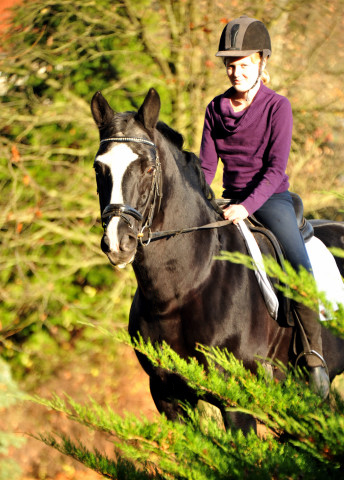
121, 120
119, 125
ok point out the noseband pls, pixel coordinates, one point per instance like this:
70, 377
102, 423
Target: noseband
123, 211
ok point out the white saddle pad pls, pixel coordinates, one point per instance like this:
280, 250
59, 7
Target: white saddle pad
269, 295
326, 273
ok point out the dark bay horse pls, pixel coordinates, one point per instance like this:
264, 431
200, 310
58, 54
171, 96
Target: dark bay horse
147, 184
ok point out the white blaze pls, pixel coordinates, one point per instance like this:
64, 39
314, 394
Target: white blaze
118, 160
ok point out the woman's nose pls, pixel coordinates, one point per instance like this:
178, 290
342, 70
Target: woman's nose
237, 70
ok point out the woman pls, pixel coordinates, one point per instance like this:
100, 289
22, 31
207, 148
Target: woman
249, 127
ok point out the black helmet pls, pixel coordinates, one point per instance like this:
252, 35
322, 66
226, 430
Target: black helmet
242, 37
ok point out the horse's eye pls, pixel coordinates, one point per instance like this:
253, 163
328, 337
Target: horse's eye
99, 169
150, 170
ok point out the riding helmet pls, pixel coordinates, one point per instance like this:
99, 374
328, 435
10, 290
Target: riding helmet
243, 36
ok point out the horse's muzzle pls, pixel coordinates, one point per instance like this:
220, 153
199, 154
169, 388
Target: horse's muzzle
119, 241
125, 249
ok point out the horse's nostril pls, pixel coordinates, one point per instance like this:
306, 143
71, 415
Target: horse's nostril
127, 243
105, 244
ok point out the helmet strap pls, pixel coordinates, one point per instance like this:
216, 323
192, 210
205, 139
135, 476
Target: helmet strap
260, 72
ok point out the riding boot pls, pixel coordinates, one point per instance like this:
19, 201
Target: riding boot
310, 330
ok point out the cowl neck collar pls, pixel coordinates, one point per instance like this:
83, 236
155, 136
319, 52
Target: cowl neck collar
232, 121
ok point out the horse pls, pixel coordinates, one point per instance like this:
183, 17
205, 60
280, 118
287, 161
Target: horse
158, 214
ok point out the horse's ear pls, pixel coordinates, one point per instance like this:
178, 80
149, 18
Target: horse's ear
148, 113
101, 110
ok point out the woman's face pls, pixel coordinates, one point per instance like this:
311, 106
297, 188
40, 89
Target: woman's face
242, 72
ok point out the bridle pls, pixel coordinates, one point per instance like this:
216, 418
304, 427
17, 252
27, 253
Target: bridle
155, 195
153, 200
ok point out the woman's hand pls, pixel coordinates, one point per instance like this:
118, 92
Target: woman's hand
235, 213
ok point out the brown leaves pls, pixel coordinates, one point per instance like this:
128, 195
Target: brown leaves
15, 155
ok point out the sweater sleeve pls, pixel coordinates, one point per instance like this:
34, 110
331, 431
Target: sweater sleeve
277, 157
208, 154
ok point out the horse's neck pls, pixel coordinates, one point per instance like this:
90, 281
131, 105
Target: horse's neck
183, 200
169, 266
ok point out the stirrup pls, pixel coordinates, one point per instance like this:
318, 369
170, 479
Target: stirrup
318, 382
312, 352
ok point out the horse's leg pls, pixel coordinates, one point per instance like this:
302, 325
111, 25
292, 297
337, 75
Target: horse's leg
240, 421
168, 395
164, 396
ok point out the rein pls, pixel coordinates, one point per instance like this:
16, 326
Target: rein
173, 233
155, 194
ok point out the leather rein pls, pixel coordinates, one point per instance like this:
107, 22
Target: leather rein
155, 195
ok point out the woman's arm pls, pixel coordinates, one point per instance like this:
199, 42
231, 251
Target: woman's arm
208, 154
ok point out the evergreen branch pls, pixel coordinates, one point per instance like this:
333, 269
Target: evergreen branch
96, 461
337, 252
185, 451
239, 390
210, 451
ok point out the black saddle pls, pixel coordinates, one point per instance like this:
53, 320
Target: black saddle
306, 228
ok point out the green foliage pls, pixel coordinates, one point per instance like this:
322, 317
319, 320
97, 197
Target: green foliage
304, 435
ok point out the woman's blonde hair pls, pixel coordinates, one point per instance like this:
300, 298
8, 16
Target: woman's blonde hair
255, 58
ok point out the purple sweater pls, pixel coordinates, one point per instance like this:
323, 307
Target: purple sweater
253, 144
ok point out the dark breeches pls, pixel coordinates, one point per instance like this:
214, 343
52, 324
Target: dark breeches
278, 214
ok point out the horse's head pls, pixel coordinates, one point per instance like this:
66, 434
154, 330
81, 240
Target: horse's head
127, 172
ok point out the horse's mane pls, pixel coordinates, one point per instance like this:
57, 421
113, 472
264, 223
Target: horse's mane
170, 134
190, 158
